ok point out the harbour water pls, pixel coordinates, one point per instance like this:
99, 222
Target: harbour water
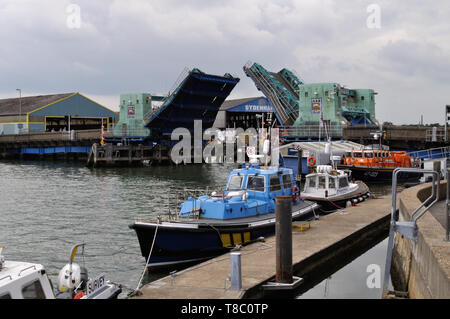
47, 207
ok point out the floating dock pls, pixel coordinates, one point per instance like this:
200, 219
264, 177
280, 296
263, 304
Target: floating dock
327, 240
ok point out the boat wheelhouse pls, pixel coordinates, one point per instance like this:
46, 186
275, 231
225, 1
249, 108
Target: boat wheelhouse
210, 225
332, 189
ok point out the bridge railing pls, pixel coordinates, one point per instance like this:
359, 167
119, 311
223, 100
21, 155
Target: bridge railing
51, 136
312, 130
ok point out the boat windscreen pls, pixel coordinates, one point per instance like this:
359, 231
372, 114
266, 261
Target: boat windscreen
255, 183
311, 181
343, 182
235, 183
331, 183
287, 182
322, 182
275, 183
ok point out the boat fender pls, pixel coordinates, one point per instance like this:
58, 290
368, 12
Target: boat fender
361, 199
295, 193
311, 161
354, 200
348, 204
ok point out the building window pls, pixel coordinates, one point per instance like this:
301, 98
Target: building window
326, 93
306, 94
362, 98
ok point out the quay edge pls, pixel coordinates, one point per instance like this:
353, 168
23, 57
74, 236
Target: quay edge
422, 268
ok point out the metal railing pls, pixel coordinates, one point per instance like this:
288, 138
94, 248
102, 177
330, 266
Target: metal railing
277, 94
149, 115
447, 201
436, 134
175, 197
407, 228
52, 136
311, 130
432, 153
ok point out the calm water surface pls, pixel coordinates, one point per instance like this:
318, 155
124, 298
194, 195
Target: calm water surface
47, 207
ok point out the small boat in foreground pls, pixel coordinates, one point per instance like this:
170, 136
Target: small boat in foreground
211, 225
23, 280
332, 190
378, 165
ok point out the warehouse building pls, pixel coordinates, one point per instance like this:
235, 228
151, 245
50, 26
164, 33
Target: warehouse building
56, 112
245, 113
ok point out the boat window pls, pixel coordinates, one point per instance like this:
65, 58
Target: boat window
331, 183
343, 182
33, 291
287, 182
368, 154
348, 154
235, 182
5, 296
322, 182
274, 183
311, 182
255, 183
357, 154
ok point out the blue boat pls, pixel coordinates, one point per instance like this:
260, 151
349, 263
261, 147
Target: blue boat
211, 225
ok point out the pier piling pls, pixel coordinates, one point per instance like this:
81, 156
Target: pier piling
283, 231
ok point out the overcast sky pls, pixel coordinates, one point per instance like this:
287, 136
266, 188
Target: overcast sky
143, 46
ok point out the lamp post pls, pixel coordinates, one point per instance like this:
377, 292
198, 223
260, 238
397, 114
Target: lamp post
20, 109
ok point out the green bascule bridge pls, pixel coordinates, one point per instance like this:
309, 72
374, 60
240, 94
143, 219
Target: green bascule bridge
307, 107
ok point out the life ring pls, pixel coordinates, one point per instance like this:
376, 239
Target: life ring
311, 161
295, 193
79, 295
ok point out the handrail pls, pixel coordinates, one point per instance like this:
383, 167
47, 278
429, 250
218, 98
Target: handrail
10, 277
407, 229
33, 266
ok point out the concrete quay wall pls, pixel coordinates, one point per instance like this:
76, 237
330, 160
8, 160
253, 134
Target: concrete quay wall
422, 268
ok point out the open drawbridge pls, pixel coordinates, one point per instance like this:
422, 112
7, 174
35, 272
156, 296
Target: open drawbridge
280, 88
196, 96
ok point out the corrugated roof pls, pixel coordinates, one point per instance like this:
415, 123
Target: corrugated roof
232, 103
29, 103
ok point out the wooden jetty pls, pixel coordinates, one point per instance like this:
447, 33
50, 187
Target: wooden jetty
327, 240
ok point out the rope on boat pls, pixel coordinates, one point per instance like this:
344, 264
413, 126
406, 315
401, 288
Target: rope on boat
335, 205
135, 292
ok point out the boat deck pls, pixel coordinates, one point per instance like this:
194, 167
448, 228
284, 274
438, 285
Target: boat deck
302, 205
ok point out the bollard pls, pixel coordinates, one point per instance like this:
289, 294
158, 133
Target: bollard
235, 271
283, 230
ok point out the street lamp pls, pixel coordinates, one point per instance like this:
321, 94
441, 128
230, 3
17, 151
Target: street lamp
20, 109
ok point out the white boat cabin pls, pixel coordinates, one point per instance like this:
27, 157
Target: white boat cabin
22, 280
327, 182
